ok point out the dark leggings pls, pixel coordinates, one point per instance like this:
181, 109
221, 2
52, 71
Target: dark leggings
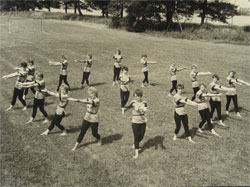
85, 77
235, 101
39, 103
145, 77
196, 89
215, 105
56, 121
184, 119
138, 131
174, 84
205, 117
18, 93
27, 90
124, 97
63, 78
116, 73
85, 125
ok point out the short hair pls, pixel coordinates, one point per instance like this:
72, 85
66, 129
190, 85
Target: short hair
90, 55
39, 74
64, 57
93, 90
193, 66
234, 72
119, 51
144, 55
203, 84
138, 92
125, 68
24, 64
31, 61
181, 86
216, 76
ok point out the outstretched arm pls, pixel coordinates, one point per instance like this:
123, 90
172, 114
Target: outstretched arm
54, 63
236, 81
29, 84
204, 73
223, 88
85, 101
50, 93
189, 102
243, 82
210, 95
79, 60
151, 62
10, 75
180, 69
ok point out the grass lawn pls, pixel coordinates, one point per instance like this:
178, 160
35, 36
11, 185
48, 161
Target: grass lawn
28, 159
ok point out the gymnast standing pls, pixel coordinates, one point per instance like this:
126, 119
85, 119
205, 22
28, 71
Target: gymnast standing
201, 96
30, 77
124, 81
145, 63
91, 116
63, 72
39, 98
193, 76
21, 75
117, 66
86, 69
180, 114
173, 70
232, 95
215, 101
139, 119
60, 109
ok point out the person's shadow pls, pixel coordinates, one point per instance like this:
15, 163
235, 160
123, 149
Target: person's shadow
156, 142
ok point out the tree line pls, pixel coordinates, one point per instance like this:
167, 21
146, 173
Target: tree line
138, 12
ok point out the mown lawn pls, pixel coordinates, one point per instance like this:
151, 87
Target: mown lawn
28, 159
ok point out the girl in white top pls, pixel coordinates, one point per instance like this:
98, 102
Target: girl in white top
139, 119
232, 95
144, 70
173, 70
86, 69
117, 66
21, 75
30, 77
63, 72
91, 117
193, 76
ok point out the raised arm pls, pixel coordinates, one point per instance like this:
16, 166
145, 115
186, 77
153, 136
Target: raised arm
10, 75
204, 73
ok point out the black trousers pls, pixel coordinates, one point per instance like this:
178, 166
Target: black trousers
27, 90
85, 77
196, 89
138, 131
235, 101
215, 105
124, 97
39, 103
85, 126
116, 73
145, 77
184, 119
205, 117
18, 93
56, 121
174, 84
63, 78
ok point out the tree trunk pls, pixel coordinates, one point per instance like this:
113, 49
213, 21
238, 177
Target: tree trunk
79, 8
75, 7
204, 11
170, 12
66, 8
121, 13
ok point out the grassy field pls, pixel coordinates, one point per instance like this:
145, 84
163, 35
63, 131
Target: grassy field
28, 159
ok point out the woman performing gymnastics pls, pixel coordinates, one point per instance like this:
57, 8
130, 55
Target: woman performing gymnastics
139, 119
145, 63
86, 69
193, 76
180, 114
232, 95
173, 70
30, 77
39, 98
91, 117
124, 81
215, 101
203, 109
21, 75
63, 72
59, 114
117, 66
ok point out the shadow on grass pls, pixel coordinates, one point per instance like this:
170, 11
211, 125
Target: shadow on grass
111, 138
154, 84
155, 142
193, 133
241, 109
98, 84
31, 105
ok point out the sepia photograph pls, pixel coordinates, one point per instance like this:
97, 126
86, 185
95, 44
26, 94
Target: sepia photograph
124, 93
